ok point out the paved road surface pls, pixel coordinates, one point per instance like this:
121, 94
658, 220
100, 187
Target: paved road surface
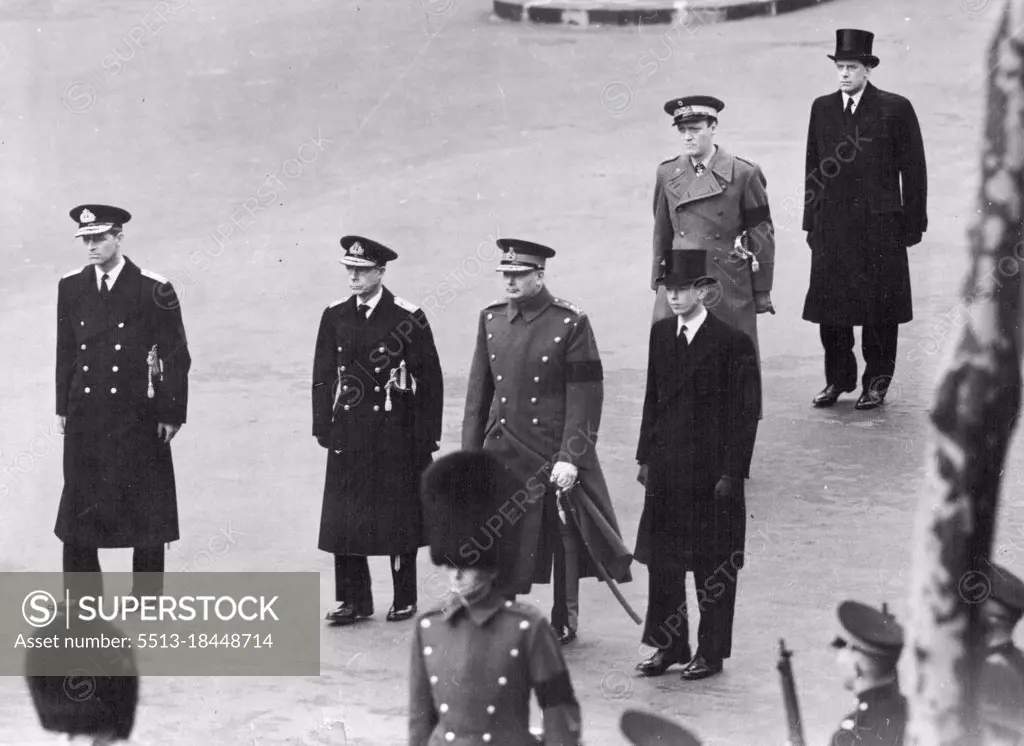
435, 128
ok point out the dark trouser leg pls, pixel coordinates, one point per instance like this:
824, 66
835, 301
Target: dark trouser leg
750, 451
840, 362
82, 560
667, 626
716, 596
352, 579
565, 611
148, 571
559, 612
878, 343
403, 579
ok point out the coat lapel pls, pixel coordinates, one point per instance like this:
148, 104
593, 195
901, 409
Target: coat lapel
867, 112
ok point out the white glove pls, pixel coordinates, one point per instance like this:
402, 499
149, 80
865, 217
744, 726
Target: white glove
564, 475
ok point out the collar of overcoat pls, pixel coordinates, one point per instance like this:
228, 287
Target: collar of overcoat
705, 341
687, 187
480, 612
866, 112
123, 301
531, 307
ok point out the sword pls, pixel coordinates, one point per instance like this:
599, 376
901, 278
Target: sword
566, 508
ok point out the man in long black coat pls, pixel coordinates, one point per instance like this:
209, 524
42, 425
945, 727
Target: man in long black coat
377, 403
866, 198
122, 393
699, 416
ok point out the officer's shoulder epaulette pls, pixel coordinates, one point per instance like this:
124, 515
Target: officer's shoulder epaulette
524, 611
429, 613
496, 303
406, 305
567, 306
72, 273
339, 301
669, 160
153, 275
748, 162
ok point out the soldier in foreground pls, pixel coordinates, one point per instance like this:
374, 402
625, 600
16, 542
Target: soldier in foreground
122, 394
868, 650
478, 658
377, 403
1001, 688
534, 400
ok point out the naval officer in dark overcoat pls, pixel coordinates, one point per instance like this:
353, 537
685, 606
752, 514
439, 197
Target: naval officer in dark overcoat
377, 402
534, 400
122, 395
710, 200
866, 202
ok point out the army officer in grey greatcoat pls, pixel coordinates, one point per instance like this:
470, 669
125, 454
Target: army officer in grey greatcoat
710, 200
377, 403
122, 393
534, 400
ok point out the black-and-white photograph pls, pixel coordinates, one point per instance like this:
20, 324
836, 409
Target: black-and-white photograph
563, 372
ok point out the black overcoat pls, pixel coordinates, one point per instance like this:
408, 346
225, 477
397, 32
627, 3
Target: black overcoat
371, 502
119, 486
866, 200
699, 417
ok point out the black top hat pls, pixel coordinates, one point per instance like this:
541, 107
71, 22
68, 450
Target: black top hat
460, 496
685, 268
870, 631
689, 108
94, 219
522, 256
854, 44
362, 252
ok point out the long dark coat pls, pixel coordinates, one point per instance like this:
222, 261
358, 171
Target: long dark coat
699, 415
371, 503
118, 476
534, 397
859, 220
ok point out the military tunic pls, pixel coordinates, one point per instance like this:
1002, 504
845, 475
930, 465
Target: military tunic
473, 670
879, 720
119, 488
534, 398
709, 212
375, 457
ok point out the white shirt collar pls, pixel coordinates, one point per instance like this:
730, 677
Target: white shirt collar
855, 97
692, 326
372, 303
710, 155
111, 275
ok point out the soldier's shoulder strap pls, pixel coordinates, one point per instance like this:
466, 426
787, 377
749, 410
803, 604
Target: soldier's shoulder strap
339, 301
406, 305
153, 276
568, 306
669, 160
497, 303
72, 273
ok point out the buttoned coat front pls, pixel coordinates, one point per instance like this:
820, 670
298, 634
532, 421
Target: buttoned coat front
534, 397
473, 671
371, 502
119, 488
867, 190
879, 720
709, 212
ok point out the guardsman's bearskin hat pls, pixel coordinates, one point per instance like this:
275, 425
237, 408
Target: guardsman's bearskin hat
460, 502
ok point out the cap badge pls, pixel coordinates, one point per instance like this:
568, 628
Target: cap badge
356, 249
86, 216
511, 256
684, 111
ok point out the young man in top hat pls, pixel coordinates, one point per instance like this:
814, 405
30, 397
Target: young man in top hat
708, 199
1001, 688
867, 652
378, 396
699, 415
122, 393
534, 400
477, 659
866, 188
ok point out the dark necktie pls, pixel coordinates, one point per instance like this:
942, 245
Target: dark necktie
681, 340
104, 287
700, 169
849, 108
364, 311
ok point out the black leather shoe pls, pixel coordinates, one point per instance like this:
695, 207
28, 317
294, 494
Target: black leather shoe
400, 615
701, 668
347, 614
870, 400
830, 395
659, 663
565, 635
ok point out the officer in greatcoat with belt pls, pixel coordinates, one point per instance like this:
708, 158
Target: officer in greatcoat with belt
708, 199
377, 403
534, 400
122, 393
